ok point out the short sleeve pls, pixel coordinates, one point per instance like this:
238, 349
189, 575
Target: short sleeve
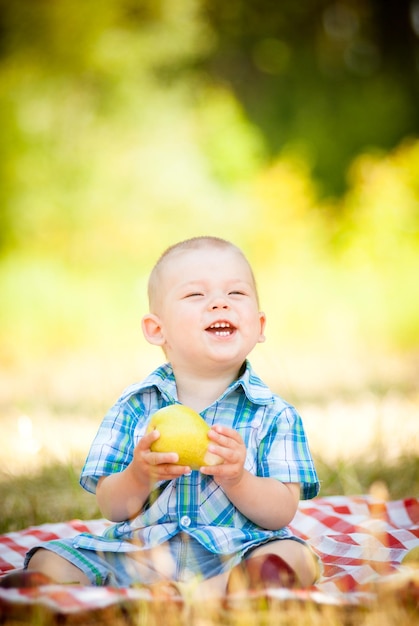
113, 446
284, 453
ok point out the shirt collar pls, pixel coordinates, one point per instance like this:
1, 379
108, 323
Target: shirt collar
164, 379
255, 389
253, 386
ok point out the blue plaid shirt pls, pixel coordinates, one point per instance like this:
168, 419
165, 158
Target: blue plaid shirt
276, 446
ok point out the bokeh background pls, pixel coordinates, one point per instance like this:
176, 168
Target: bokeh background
290, 128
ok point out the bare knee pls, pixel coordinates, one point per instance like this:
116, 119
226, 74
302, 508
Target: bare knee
56, 567
297, 555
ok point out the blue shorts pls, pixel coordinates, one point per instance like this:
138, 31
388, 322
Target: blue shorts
181, 559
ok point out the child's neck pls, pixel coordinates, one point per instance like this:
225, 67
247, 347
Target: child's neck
199, 393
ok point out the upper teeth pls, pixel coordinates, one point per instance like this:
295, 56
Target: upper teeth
222, 329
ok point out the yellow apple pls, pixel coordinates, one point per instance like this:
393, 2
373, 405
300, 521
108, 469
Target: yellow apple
184, 431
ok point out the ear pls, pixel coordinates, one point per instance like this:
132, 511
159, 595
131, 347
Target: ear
262, 320
152, 329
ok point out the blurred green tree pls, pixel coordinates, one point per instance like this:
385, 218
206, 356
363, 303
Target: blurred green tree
325, 78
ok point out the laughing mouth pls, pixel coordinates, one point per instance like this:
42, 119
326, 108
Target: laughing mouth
221, 329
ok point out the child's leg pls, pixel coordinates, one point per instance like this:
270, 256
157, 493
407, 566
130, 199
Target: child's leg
297, 555
286, 562
56, 567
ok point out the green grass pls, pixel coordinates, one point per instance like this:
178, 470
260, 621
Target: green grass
52, 494
397, 479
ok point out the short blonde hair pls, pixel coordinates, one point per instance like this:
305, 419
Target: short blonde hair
194, 243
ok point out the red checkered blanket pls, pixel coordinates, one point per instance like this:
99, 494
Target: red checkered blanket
360, 541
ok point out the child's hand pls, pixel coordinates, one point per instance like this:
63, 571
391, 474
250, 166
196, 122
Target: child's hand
154, 466
229, 445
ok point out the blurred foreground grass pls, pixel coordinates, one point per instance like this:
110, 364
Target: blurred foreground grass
52, 493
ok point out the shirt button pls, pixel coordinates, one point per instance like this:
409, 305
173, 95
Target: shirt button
185, 521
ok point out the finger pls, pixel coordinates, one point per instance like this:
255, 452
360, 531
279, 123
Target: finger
147, 440
219, 440
224, 436
229, 450
210, 470
161, 458
230, 456
169, 472
218, 471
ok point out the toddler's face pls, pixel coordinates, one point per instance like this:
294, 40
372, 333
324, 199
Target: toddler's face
208, 308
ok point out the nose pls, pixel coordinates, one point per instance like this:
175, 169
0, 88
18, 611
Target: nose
218, 302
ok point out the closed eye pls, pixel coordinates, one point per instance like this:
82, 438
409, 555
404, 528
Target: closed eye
194, 294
